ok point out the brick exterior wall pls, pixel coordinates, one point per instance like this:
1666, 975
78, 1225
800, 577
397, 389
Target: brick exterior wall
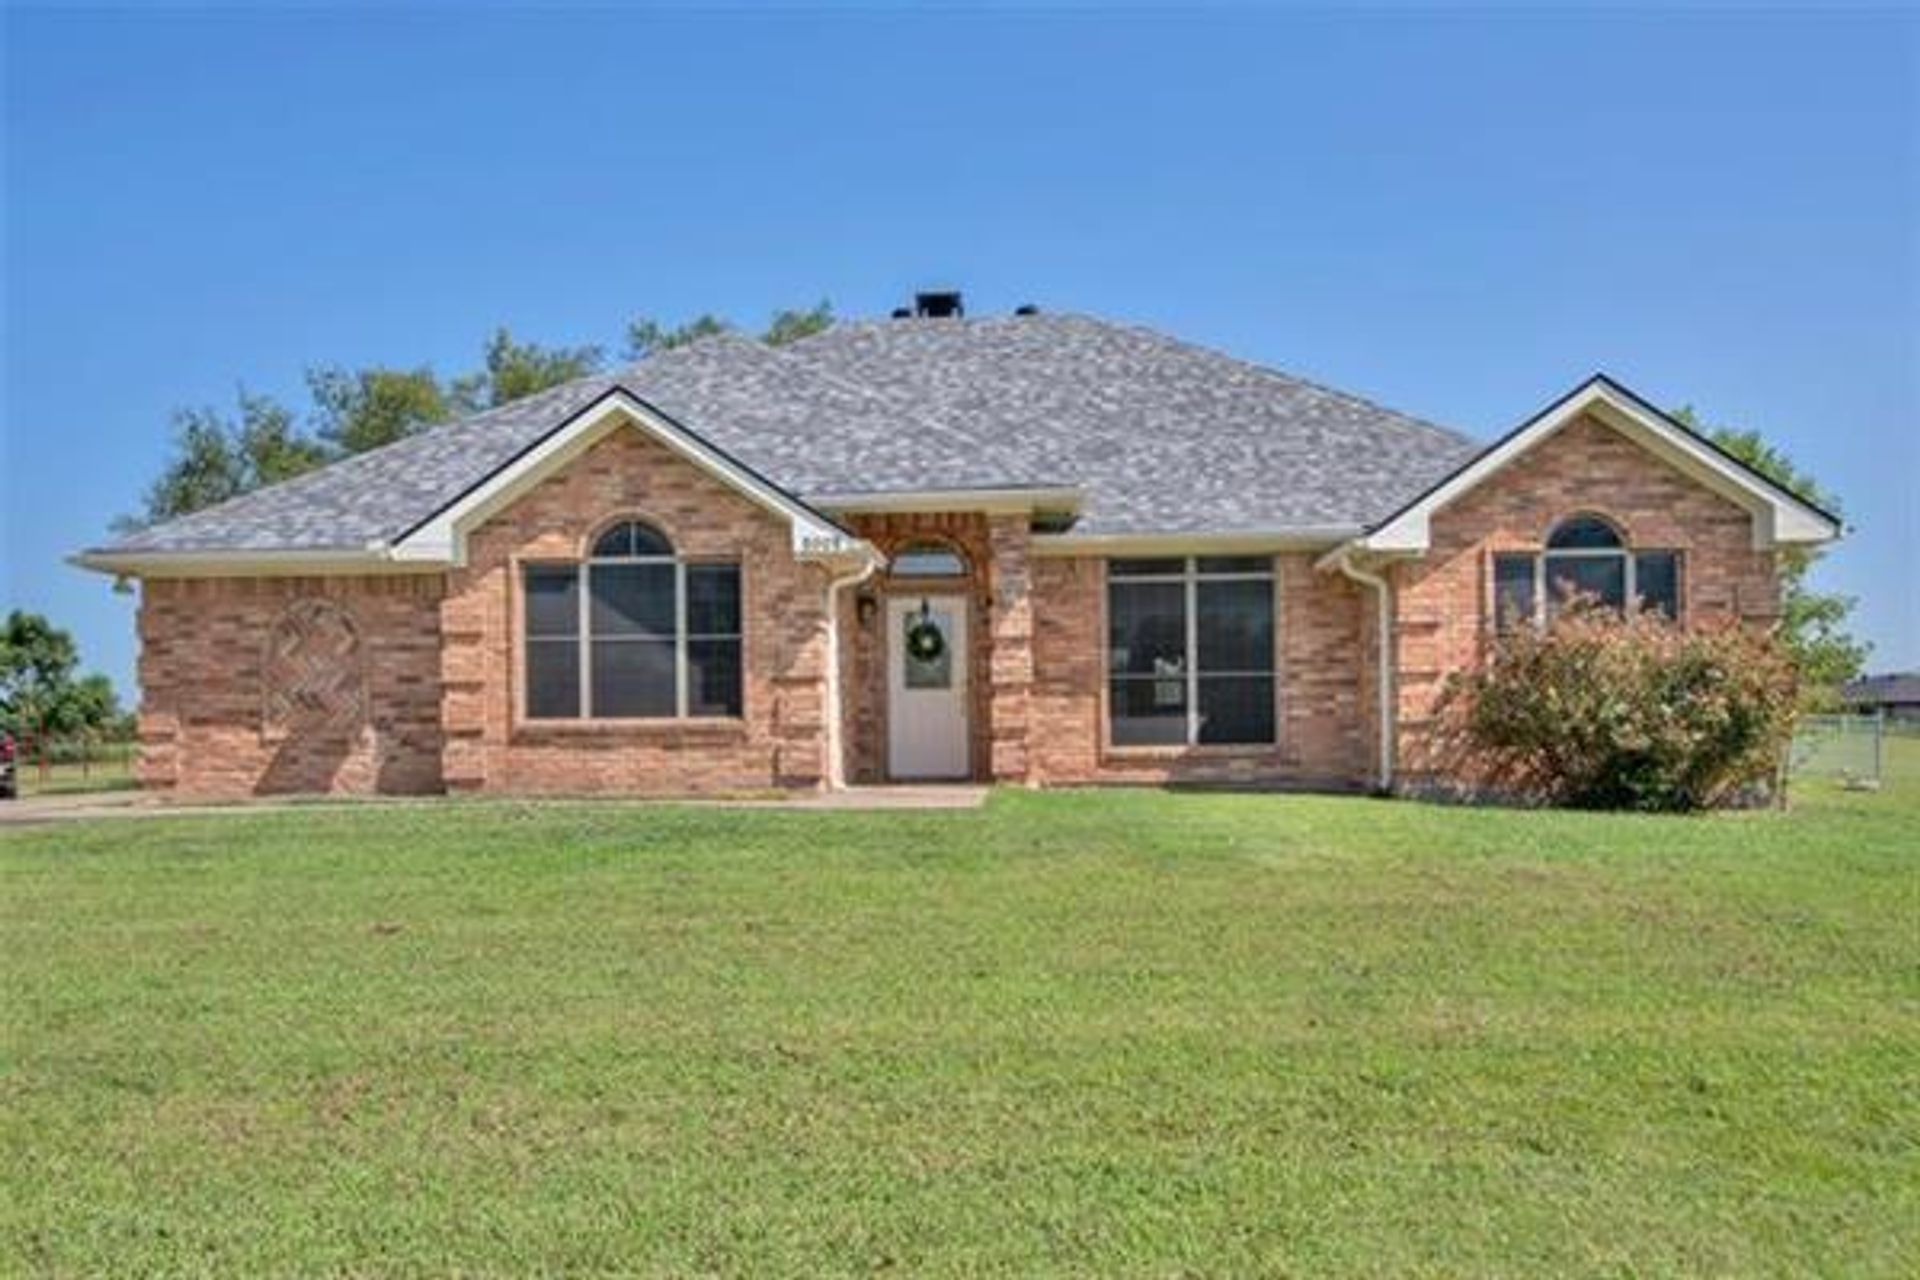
253, 686
778, 742
1443, 602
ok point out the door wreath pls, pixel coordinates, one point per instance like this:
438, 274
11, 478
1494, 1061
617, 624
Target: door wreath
925, 641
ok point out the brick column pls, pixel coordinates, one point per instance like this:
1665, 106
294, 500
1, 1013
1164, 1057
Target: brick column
159, 712
1010, 679
464, 675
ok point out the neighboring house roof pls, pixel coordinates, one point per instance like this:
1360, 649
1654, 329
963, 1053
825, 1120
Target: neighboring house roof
1155, 435
1898, 689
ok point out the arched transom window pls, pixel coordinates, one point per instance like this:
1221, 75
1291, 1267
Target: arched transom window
927, 560
632, 632
1585, 558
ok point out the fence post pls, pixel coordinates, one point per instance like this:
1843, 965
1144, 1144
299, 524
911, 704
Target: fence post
1880, 745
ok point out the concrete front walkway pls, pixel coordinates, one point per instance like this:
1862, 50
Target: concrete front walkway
89, 806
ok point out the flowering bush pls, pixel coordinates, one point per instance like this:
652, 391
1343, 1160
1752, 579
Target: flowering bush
1601, 711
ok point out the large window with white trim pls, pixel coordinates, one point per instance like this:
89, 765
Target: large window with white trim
633, 633
1585, 558
1190, 651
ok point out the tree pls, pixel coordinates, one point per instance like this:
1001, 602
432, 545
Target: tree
645, 336
791, 326
38, 692
217, 458
365, 409
516, 369
1813, 624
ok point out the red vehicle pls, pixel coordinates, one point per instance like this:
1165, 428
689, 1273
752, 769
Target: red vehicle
9, 779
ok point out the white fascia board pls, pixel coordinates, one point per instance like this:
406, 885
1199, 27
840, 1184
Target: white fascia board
1779, 517
244, 564
442, 539
993, 501
1181, 544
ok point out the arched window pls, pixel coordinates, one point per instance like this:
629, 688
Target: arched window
634, 632
1584, 533
1586, 558
927, 560
630, 539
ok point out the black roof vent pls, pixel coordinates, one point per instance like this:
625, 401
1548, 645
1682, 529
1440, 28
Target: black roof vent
939, 305
1026, 309
902, 313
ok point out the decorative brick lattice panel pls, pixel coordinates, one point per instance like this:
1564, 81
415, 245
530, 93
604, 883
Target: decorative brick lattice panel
315, 679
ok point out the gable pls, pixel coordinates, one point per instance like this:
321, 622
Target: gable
442, 537
1589, 466
1776, 516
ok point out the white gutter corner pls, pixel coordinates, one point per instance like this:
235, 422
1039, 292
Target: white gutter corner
1342, 559
836, 775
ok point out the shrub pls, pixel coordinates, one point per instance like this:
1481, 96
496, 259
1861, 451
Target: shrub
1601, 711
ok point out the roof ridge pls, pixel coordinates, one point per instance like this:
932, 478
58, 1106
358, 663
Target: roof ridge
1273, 371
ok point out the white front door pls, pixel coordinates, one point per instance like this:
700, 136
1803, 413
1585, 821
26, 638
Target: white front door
927, 687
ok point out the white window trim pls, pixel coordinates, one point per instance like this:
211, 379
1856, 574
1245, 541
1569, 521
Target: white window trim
1190, 577
1542, 601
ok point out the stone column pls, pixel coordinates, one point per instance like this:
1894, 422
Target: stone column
1010, 679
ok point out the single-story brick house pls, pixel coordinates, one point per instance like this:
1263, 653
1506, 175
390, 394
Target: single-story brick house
1034, 548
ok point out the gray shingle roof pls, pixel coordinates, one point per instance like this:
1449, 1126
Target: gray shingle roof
1166, 437
1901, 688
1162, 435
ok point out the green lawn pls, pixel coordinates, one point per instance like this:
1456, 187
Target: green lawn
111, 768
1125, 1033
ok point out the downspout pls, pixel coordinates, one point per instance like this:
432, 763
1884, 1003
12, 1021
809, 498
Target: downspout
836, 762
1383, 677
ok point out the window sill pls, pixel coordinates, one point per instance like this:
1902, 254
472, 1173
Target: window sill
692, 727
1182, 751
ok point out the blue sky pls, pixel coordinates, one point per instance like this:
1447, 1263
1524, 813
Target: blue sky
1460, 216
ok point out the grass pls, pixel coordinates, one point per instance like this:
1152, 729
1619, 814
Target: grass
110, 769
1098, 1034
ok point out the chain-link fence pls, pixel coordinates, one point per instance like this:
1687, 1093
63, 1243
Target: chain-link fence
1852, 749
73, 762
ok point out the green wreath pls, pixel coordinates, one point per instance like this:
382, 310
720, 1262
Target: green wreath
924, 641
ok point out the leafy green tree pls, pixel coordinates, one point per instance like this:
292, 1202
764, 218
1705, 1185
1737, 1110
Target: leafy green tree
514, 369
645, 336
363, 409
791, 326
217, 457
38, 691
1813, 624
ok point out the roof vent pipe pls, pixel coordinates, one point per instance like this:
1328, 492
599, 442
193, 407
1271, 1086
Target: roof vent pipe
941, 304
